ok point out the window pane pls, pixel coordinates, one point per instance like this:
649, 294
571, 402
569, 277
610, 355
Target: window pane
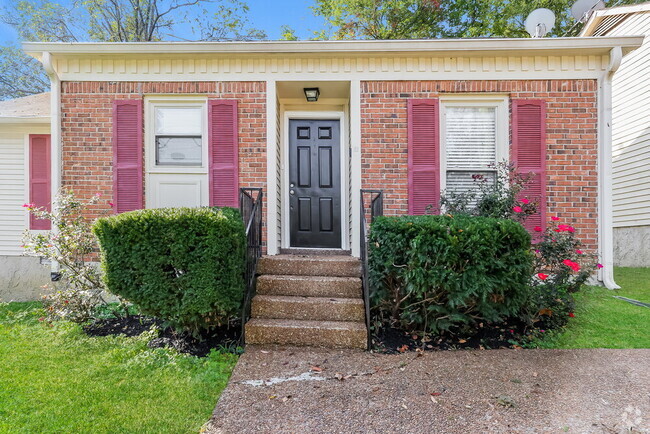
470, 138
467, 181
178, 121
178, 151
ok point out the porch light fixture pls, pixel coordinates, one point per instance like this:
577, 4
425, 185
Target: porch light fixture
312, 94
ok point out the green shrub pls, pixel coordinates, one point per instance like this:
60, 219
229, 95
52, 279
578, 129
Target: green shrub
438, 273
183, 265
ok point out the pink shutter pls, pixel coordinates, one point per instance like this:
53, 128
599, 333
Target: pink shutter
40, 181
127, 155
423, 155
223, 153
529, 153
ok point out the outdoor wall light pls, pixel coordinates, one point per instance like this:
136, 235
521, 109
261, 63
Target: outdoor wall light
312, 94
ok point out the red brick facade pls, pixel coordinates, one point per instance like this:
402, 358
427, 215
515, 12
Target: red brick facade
571, 132
86, 129
571, 136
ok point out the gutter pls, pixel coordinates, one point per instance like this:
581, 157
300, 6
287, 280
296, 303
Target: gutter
605, 200
55, 140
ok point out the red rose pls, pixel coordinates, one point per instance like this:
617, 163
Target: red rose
571, 314
538, 229
542, 276
516, 209
554, 218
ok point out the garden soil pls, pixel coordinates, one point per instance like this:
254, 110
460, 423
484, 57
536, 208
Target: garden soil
296, 390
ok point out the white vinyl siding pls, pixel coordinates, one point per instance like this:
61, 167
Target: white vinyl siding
631, 128
13, 190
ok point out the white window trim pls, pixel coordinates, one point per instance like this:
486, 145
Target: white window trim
502, 112
151, 103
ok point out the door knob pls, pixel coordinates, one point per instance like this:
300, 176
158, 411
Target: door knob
291, 185
291, 192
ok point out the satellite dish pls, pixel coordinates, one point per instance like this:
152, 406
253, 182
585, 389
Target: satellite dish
539, 22
581, 9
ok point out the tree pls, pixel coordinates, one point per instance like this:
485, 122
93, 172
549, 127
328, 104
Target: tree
423, 19
112, 21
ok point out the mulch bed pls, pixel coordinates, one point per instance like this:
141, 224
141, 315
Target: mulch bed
508, 334
226, 337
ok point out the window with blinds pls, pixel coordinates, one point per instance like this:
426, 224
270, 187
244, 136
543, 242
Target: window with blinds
470, 146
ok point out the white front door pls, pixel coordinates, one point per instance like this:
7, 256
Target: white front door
176, 154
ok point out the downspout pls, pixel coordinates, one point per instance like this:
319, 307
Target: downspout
55, 140
605, 201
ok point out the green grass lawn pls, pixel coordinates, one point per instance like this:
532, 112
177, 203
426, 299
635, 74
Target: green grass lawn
602, 321
57, 379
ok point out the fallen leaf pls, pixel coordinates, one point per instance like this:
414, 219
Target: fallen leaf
462, 341
435, 393
316, 369
272, 396
264, 352
339, 376
505, 401
547, 312
403, 348
404, 407
434, 400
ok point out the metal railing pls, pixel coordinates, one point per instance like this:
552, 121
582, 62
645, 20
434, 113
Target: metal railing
250, 206
376, 209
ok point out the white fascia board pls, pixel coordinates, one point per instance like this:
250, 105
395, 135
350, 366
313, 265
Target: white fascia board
539, 46
597, 17
25, 119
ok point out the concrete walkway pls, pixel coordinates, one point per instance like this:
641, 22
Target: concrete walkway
313, 390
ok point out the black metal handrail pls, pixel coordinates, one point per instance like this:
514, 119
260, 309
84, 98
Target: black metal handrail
250, 206
376, 209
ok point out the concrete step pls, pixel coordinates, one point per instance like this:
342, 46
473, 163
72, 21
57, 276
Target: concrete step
308, 308
340, 266
314, 252
331, 334
309, 286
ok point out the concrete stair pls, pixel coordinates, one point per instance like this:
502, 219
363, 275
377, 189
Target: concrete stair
309, 300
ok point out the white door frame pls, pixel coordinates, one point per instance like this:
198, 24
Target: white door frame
345, 153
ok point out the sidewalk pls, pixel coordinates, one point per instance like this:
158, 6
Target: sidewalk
343, 391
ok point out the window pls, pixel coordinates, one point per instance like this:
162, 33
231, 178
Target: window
178, 136
474, 139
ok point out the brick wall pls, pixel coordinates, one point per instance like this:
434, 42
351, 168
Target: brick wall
86, 128
571, 128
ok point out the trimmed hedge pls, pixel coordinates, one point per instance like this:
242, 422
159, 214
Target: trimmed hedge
183, 265
438, 273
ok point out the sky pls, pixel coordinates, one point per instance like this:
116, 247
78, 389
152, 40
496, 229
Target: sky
267, 15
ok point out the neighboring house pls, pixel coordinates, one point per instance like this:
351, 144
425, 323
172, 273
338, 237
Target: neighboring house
188, 124
24, 177
630, 133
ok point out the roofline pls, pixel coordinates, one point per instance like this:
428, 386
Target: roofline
627, 43
25, 119
598, 16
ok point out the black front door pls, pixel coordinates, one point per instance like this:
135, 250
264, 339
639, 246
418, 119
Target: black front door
315, 183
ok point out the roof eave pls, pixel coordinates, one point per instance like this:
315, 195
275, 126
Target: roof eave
627, 43
25, 119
